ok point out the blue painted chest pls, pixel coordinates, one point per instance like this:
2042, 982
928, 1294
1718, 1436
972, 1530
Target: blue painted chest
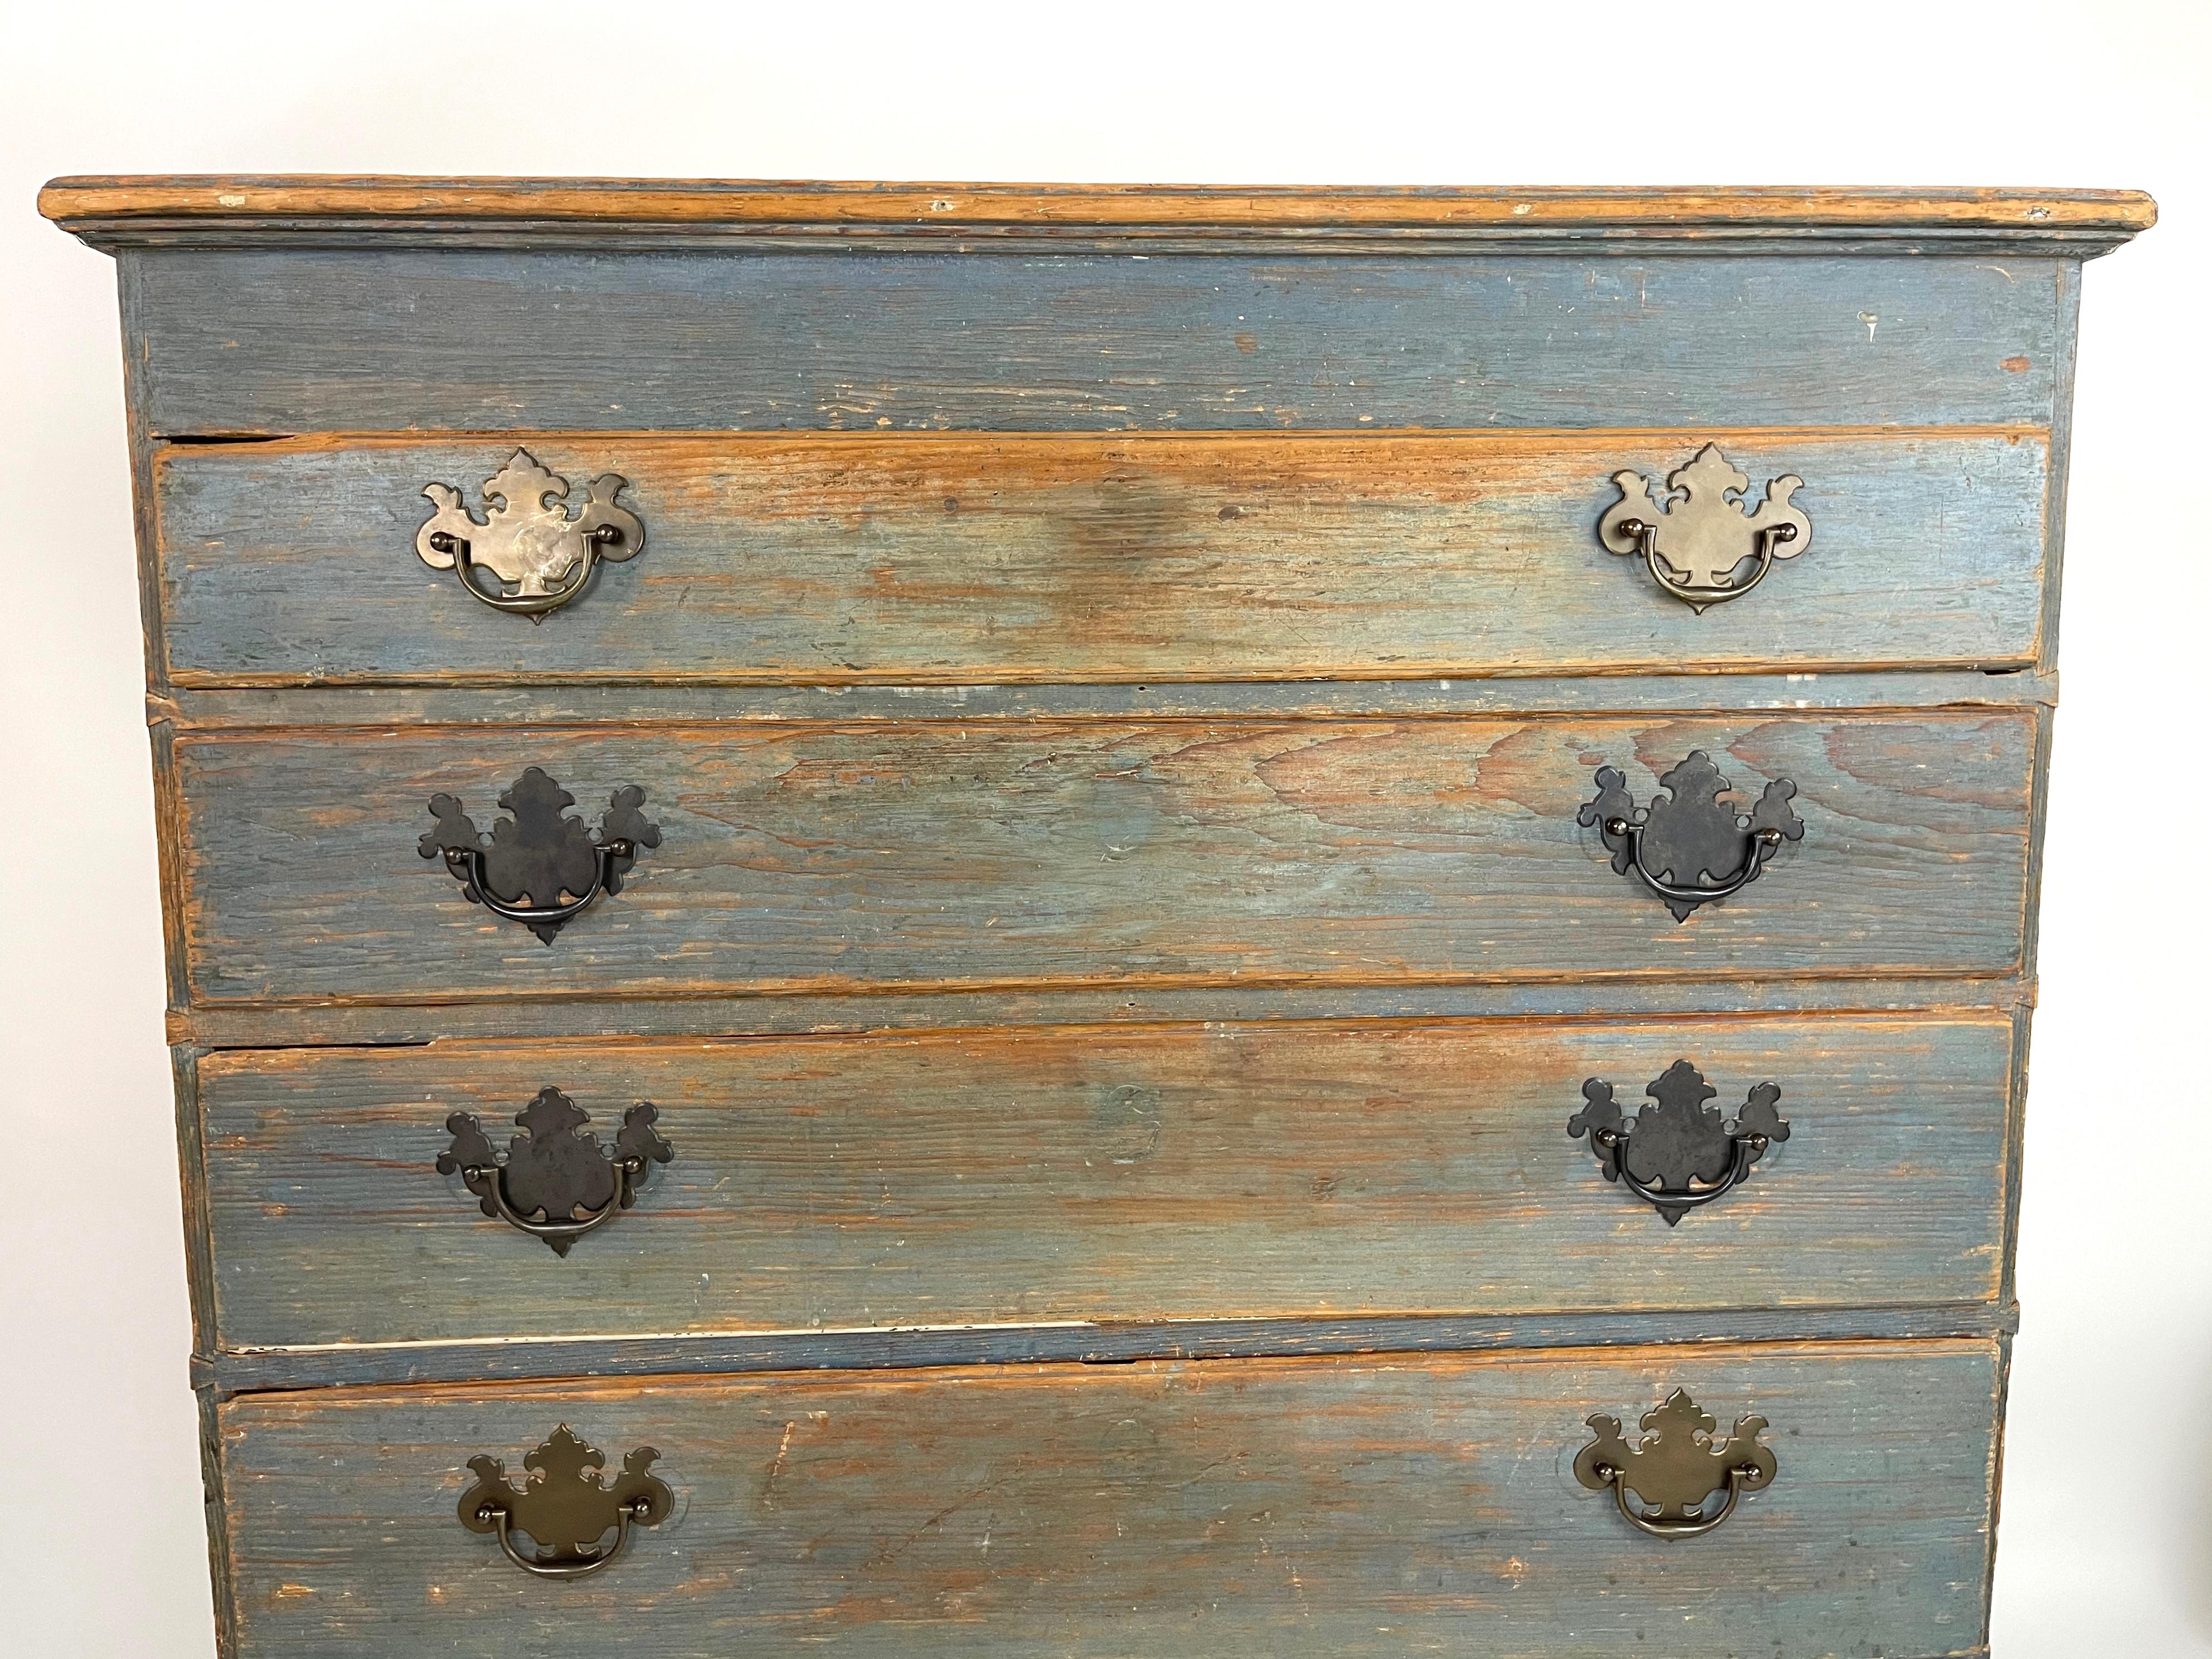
1009, 921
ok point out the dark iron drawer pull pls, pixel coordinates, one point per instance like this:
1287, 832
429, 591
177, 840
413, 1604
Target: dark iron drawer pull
564, 1506
1679, 1154
468, 864
1689, 845
557, 1182
1697, 532
1676, 1468
540, 854
526, 542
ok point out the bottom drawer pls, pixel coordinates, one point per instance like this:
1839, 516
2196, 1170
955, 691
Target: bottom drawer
1375, 1505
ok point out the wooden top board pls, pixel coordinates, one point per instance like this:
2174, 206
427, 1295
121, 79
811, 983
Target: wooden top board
109, 211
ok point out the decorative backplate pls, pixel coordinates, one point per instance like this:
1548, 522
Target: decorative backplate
1697, 534
1677, 1467
1690, 846
564, 1505
1680, 1153
533, 859
558, 1183
540, 557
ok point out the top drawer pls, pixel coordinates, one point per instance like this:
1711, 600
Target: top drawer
831, 558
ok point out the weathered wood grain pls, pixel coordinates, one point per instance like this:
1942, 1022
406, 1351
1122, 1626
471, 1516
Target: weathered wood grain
2062, 435
2015, 1145
1020, 1177
1089, 853
265, 707
249, 1370
298, 340
1386, 393
190, 1121
716, 1014
950, 557
1387, 1506
215, 1508
113, 204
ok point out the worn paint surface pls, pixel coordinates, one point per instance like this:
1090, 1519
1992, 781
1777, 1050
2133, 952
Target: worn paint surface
1372, 1506
1093, 841
301, 340
1024, 1176
959, 558
1092, 852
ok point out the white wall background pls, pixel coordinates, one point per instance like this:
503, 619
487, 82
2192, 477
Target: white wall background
2108, 1525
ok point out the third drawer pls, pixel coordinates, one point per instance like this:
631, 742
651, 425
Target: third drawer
1332, 1170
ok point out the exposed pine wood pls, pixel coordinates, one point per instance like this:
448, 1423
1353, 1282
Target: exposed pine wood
341, 708
114, 209
712, 1015
1117, 1343
955, 558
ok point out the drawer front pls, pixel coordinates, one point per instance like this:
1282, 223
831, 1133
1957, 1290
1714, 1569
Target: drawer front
1022, 1177
1384, 1506
279, 342
835, 559
1099, 852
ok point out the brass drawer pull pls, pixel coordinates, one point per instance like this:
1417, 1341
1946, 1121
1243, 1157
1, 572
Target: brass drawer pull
540, 854
1679, 1154
538, 558
558, 1183
1676, 1468
564, 1506
1697, 531
1690, 832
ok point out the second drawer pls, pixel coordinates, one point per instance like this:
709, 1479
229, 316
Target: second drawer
1024, 1177
939, 854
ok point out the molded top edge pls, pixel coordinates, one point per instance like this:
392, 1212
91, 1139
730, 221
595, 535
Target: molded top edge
108, 211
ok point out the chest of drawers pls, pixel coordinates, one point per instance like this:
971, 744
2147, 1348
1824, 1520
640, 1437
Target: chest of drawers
1265, 921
